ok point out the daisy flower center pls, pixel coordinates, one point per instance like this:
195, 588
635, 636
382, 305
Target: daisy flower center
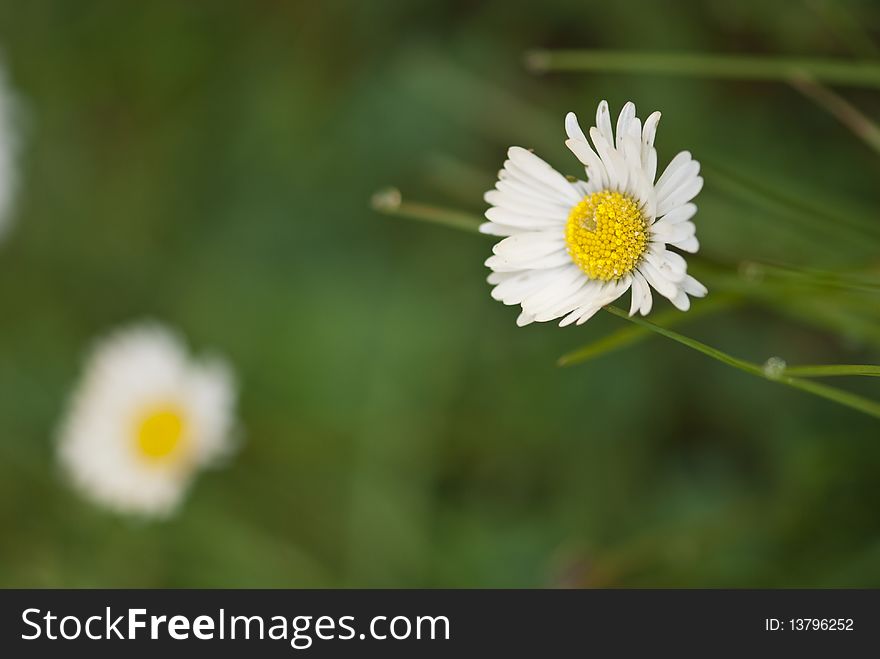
160, 432
606, 235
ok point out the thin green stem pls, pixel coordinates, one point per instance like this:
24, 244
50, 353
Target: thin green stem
858, 73
627, 336
390, 202
832, 370
768, 372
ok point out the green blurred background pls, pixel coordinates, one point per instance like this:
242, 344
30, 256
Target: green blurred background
211, 165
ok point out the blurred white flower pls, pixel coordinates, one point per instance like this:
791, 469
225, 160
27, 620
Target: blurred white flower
144, 419
8, 152
574, 246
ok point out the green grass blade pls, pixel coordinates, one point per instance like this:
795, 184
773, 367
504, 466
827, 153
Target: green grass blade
857, 73
627, 336
622, 338
390, 202
845, 398
832, 370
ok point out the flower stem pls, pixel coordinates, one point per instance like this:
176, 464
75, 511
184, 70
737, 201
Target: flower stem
390, 202
627, 336
831, 370
853, 401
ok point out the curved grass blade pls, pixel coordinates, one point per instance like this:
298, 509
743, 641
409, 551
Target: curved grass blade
627, 336
839, 396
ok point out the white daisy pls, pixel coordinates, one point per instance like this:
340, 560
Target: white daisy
8, 151
575, 246
144, 419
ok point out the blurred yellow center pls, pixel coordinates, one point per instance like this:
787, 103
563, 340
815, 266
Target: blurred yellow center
606, 235
161, 432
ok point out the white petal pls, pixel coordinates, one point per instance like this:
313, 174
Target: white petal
585, 188
641, 189
618, 172
524, 183
532, 165
693, 287
631, 149
519, 285
603, 122
493, 229
675, 260
595, 169
647, 298
671, 269
586, 315
627, 114
649, 154
524, 319
560, 291
682, 175
559, 306
638, 289
662, 285
523, 220
680, 160
498, 277
552, 260
610, 292
681, 301
530, 245
527, 205
680, 214
518, 193
563, 305
680, 196
691, 245
673, 233
573, 128
586, 299
570, 318
649, 165
635, 131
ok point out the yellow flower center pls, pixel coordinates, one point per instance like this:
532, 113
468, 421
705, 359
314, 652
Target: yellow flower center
606, 235
161, 432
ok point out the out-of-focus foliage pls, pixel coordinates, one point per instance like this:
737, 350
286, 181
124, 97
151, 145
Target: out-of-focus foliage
210, 164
